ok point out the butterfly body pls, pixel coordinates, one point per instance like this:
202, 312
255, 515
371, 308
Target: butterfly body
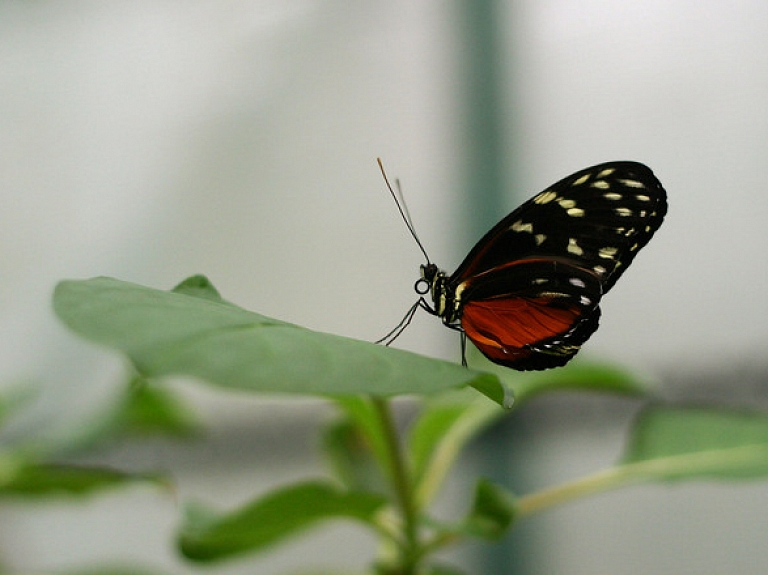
528, 294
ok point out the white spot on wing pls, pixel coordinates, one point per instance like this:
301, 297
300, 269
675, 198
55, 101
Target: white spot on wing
539, 239
607, 253
600, 184
585, 300
606, 172
577, 282
623, 212
520, 226
599, 270
643, 198
566, 204
612, 196
545, 197
575, 212
580, 180
632, 183
574, 248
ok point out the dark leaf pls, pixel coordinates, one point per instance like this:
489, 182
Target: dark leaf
270, 519
492, 511
45, 479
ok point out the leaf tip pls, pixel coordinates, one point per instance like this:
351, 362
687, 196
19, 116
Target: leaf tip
198, 286
491, 386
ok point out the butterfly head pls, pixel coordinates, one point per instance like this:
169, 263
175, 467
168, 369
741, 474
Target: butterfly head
434, 281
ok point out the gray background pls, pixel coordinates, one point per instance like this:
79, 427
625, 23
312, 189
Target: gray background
151, 140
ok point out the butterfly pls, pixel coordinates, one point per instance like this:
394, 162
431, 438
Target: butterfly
528, 293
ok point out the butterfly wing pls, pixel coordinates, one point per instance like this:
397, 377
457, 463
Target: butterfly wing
530, 288
532, 314
597, 219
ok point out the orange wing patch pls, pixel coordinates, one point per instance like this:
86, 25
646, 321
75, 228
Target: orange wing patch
503, 329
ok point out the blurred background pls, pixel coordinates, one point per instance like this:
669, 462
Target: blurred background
151, 140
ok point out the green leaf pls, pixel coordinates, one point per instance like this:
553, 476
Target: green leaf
579, 374
672, 443
492, 511
143, 409
363, 414
351, 457
199, 286
431, 569
170, 333
150, 409
48, 479
272, 518
441, 431
678, 443
113, 570
444, 570
329, 571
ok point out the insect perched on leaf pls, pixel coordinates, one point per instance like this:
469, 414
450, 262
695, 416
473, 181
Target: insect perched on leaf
528, 294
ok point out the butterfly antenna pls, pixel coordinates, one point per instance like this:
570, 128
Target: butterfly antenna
402, 208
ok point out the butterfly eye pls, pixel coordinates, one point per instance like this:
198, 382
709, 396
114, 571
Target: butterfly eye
421, 286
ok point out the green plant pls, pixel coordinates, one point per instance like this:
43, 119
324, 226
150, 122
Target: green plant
382, 477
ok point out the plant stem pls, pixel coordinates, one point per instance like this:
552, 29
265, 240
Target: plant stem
595, 483
677, 465
403, 488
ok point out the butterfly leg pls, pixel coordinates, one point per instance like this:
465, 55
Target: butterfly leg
405, 322
457, 327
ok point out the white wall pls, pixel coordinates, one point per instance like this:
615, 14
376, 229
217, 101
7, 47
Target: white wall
151, 140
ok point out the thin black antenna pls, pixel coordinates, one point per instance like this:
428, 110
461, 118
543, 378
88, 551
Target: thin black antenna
402, 208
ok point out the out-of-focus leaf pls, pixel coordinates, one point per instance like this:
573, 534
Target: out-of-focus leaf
674, 444
442, 569
351, 457
113, 570
14, 399
688, 443
174, 333
151, 409
492, 511
45, 479
330, 571
270, 519
441, 431
11, 461
363, 414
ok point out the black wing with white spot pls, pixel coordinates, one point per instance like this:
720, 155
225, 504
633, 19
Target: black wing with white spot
596, 219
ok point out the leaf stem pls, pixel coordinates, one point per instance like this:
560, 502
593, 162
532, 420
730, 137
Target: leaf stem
595, 483
402, 484
707, 464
